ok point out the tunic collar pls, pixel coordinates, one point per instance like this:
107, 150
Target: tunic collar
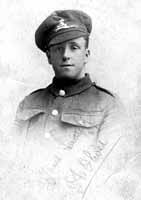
70, 87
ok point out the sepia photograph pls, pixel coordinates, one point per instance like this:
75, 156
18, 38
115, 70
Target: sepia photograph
70, 117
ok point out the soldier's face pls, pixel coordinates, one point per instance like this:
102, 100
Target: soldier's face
69, 58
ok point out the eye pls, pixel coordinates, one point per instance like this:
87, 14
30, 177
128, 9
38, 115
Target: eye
57, 48
60, 48
74, 47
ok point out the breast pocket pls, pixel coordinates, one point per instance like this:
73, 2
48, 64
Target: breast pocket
82, 119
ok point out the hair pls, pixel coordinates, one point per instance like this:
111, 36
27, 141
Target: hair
86, 38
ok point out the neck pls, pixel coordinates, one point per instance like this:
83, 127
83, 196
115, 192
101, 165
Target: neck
60, 82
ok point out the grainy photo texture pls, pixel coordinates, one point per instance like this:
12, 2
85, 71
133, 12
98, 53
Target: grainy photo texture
70, 102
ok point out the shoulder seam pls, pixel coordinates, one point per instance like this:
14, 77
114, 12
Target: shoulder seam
41, 89
103, 89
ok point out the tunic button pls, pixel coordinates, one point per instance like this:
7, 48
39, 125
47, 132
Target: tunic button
54, 112
62, 93
47, 135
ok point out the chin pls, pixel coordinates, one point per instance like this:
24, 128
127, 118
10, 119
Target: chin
66, 76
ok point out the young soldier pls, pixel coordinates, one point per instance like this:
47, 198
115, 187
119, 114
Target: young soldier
79, 130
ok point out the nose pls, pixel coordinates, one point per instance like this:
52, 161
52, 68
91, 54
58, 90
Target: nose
66, 54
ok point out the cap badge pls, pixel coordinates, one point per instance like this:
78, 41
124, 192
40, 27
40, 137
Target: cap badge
63, 25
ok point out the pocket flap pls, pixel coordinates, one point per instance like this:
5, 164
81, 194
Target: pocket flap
82, 119
28, 113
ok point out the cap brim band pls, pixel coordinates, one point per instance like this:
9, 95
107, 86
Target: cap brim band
63, 37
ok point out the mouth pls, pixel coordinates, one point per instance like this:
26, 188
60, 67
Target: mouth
66, 65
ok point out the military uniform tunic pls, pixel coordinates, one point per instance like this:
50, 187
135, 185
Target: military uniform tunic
76, 135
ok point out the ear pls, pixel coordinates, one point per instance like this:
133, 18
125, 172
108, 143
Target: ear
48, 56
87, 54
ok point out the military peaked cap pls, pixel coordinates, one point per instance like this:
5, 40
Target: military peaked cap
61, 26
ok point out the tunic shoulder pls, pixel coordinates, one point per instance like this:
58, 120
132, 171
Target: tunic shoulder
103, 90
